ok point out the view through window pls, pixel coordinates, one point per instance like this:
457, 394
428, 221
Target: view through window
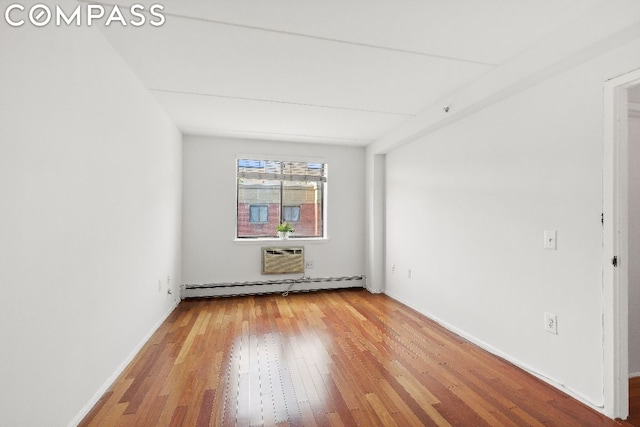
273, 192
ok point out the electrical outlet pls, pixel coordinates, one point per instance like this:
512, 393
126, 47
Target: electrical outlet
393, 268
551, 323
309, 265
409, 273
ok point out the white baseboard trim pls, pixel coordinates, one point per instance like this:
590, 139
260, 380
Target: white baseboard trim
560, 386
272, 286
119, 370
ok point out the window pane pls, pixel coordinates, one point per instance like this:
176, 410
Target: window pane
305, 201
258, 207
254, 214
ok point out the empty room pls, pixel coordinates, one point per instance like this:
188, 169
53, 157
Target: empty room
331, 213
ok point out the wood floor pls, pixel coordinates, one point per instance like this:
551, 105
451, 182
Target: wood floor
634, 401
338, 358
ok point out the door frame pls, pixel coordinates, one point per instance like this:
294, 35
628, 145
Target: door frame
615, 316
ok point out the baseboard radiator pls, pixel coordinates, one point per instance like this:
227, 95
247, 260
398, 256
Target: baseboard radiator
283, 286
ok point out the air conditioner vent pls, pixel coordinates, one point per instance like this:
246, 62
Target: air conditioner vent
282, 260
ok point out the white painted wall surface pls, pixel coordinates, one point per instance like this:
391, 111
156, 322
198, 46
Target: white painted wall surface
467, 206
90, 190
634, 244
210, 252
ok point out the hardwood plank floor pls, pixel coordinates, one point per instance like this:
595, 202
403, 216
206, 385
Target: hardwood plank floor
634, 401
336, 358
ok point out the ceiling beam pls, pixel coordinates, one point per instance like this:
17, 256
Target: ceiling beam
606, 27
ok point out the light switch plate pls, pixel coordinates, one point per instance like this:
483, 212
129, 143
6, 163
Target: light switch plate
551, 239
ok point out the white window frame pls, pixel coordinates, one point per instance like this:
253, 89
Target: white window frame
285, 158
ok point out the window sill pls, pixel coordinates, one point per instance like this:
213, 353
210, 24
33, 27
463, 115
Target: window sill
290, 241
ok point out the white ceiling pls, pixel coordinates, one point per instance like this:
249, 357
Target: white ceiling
330, 71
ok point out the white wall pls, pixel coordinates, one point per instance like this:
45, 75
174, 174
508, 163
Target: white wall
210, 252
467, 206
634, 244
90, 189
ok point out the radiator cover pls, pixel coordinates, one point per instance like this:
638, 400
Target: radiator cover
282, 260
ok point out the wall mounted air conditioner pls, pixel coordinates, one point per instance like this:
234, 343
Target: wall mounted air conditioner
282, 260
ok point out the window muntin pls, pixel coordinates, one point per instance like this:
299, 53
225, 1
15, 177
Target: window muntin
286, 191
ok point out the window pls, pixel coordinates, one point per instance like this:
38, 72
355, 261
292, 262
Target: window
291, 213
271, 192
258, 213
